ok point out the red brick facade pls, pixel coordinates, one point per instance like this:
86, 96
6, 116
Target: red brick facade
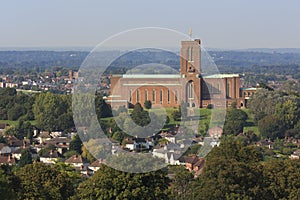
188, 86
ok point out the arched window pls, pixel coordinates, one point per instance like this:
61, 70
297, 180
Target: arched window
228, 90
138, 95
130, 94
146, 95
169, 96
190, 56
161, 96
190, 90
176, 96
153, 95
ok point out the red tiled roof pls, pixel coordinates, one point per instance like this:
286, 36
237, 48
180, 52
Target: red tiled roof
74, 159
96, 163
7, 160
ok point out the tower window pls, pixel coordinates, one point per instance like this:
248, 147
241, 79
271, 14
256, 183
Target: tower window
190, 55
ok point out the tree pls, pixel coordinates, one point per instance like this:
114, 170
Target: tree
231, 170
86, 153
182, 184
15, 112
39, 181
140, 116
148, 104
270, 127
280, 179
108, 183
49, 109
288, 113
103, 109
235, 121
8, 183
25, 159
176, 115
223, 178
76, 144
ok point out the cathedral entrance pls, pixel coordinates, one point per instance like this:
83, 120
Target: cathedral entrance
190, 94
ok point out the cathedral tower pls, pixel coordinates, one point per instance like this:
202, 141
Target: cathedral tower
190, 71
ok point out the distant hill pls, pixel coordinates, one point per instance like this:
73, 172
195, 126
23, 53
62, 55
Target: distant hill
228, 61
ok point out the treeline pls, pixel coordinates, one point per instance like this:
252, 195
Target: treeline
277, 113
38, 61
14, 106
231, 171
268, 64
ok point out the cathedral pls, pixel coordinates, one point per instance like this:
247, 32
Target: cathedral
191, 86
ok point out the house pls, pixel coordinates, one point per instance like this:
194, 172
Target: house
50, 157
295, 155
80, 164
95, 166
56, 134
7, 160
17, 153
194, 163
4, 149
77, 161
170, 153
85, 171
44, 135
62, 144
215, 132
265, 143
137, 143
170, 137
14, 143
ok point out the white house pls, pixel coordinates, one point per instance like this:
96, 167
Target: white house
49, 158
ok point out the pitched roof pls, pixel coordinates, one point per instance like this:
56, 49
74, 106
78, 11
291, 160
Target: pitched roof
51, 154
74, 159
200, 162
2, 145
96, 163
13, 141
7, 160
192, 159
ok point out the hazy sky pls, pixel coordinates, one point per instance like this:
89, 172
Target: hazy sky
219, 23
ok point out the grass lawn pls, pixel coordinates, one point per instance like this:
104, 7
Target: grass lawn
11, 123
250, 125
205, 118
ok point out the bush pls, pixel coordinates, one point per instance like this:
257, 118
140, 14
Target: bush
210, 106
148, 104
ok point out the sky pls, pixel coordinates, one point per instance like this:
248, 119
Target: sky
227, 24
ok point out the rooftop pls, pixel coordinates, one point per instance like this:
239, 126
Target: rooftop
151, 76
222, 76
248, 89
